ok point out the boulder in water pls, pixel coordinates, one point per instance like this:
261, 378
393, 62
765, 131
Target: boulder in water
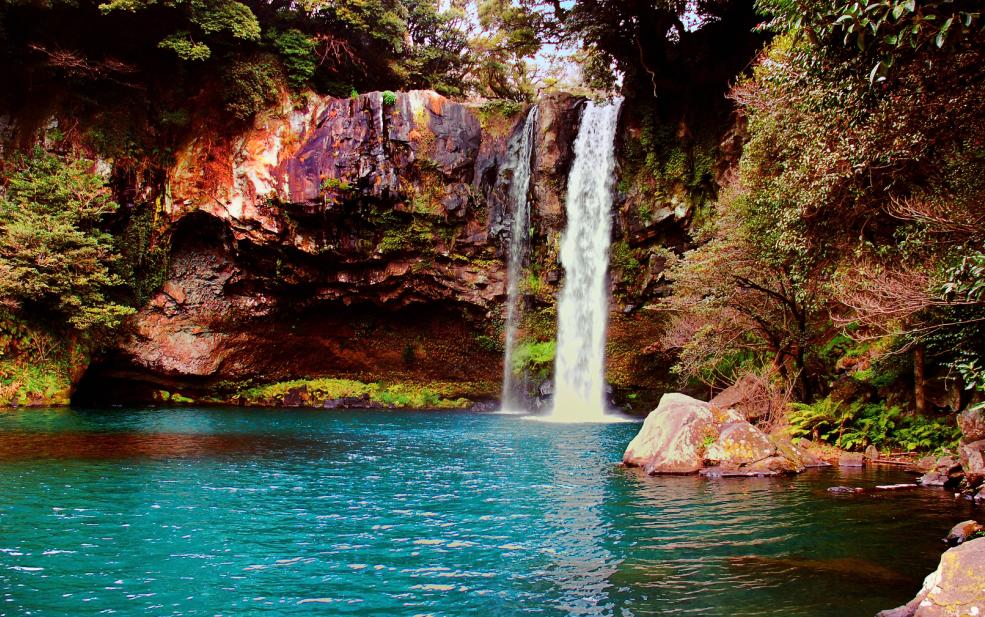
685, 435
962, 532
741, 447
946, 471
851, 459
955, 589
672, 439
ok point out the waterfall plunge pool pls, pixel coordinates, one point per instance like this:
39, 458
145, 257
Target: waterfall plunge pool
280, 512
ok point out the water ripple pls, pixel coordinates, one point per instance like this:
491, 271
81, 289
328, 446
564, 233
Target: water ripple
193, 512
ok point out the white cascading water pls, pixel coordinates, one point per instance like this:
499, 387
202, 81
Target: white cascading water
519, 159
579, 364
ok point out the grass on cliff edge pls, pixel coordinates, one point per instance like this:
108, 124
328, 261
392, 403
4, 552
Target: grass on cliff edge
399, 395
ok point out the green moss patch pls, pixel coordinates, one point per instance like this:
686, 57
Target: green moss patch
315, 392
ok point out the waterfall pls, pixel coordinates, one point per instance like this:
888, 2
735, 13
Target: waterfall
519, 159
579, 364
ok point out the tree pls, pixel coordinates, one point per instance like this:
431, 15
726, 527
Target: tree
56, 262
736, 302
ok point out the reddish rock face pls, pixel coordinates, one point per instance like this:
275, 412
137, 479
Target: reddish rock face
329, 213
344, 238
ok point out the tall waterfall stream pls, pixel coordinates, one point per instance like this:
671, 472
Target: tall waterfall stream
583, 306
519, 160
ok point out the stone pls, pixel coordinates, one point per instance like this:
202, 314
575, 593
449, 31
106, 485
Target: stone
851, 459
748, 396
845, 490
924, 464
955, 589
672, 439
685, 435
962, 532
871, 453
973, 461
945, 470
739, 445
798, 451
971, 421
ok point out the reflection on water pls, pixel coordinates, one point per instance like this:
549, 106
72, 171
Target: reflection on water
582, 565
199, 512
20, 445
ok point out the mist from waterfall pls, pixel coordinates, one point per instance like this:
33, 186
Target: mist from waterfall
519, 160
583, 306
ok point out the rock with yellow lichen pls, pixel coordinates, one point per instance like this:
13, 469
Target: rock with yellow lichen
955, 589
685, 435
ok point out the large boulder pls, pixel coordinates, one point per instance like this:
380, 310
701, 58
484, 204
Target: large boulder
740, 444
672, 439
743, 450
955, 589
685, 435
972, 424
973, 461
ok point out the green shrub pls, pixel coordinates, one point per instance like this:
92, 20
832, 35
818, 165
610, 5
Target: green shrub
489, 343
250, 86
297, 54
854, 426
389, 98
56, 262
535, 358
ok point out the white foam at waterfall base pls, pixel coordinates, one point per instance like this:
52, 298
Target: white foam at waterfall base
583, 306
519, 161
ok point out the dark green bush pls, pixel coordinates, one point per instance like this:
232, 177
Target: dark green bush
250, 86
856, 425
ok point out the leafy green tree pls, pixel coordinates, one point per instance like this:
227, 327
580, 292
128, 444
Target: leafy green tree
878, 33
206, 20
437, 53
56, 262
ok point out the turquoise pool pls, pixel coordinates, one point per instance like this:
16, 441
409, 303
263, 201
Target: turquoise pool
287, 512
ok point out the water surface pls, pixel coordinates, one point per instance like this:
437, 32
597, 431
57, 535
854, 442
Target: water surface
281, 512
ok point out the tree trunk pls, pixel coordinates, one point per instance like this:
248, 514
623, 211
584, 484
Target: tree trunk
805, 381
919, 394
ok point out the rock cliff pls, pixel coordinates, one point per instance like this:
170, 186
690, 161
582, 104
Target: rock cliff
360, 238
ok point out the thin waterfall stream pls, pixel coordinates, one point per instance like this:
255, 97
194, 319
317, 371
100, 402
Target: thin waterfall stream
583, 306
519, 160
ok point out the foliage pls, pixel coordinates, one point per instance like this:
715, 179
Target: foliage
856, 425
623, 259
297, 51
732, 296
36, 363
438, 54
144, 254
56, 262
396, 395
511, 33
207, 17
881, 31
389, 98
855, 211
534, 358
250, 86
